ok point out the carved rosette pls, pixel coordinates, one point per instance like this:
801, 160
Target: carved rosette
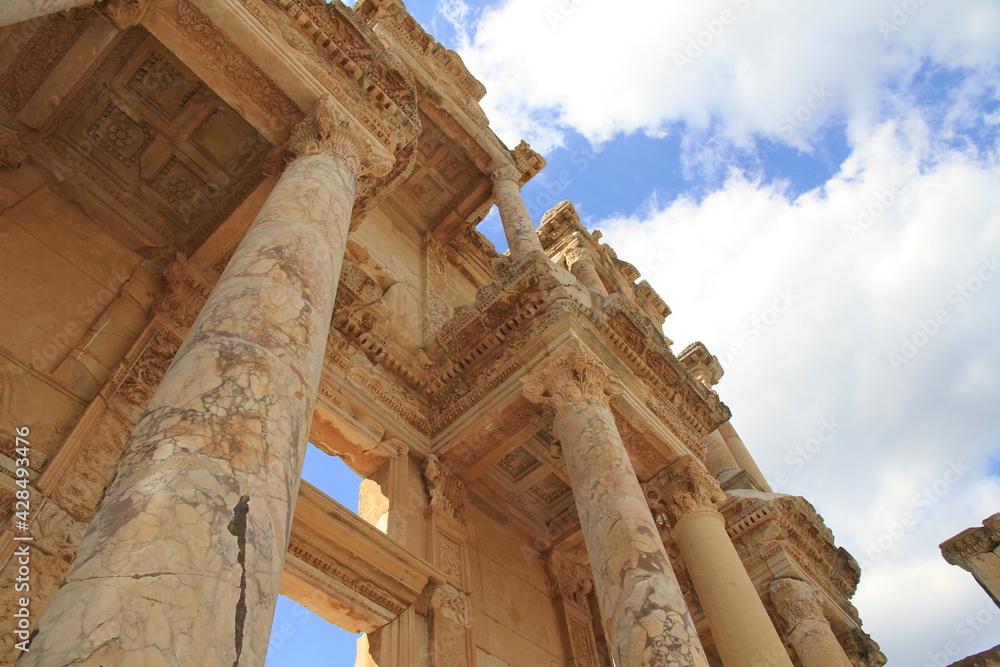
329, 129
446, 490
796, 601
683, 487
574, 375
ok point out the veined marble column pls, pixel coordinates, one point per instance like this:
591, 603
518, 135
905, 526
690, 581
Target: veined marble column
517, 226
581, 265
182, 562
742, 629
645, 615
809, 632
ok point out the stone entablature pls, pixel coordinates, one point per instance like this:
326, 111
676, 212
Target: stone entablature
977, 550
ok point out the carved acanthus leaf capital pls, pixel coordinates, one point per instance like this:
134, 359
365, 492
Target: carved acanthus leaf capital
574, 375
329, 129
683, 487
507, 172
796, 601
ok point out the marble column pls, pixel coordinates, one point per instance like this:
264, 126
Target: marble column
581, 265
743, 632
182, 561
800, 607
646, 619
517, 226
718, 457
742, 455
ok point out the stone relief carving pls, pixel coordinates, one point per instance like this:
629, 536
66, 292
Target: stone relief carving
683, 487
446, 490
573, 375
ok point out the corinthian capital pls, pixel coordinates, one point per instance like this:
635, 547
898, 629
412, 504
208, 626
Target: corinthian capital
796, 601
507, 172
328, 129
574, 375
683, 487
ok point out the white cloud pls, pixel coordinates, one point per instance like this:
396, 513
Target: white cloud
905, 435
777, 68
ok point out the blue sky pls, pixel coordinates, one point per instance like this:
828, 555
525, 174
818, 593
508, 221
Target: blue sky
840, 156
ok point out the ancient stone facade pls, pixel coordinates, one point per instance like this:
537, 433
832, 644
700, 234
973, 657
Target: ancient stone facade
229, 229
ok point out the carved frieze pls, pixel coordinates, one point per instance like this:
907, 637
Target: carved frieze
40, 55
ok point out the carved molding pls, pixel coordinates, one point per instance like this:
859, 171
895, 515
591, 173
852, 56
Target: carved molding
446, 490
972, 542
683, 487
574, 375
453, 604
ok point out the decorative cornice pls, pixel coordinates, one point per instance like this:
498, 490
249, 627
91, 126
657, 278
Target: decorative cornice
684, 487
796, 601
972, 542
573, 375
702, 364
328, 129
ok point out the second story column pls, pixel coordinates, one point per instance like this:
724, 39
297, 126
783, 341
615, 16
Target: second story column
517, 226
182, 561
742, 629
809, 632
645, 615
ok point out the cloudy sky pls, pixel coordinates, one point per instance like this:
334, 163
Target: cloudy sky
814, 189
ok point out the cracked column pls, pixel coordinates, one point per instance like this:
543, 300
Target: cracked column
517, 226
182, 561
800, 607
742, 629
645, 616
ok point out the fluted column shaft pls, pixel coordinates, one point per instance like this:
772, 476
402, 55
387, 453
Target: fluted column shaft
182, 562
645, 615
517, 226
743, 632
809, 632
